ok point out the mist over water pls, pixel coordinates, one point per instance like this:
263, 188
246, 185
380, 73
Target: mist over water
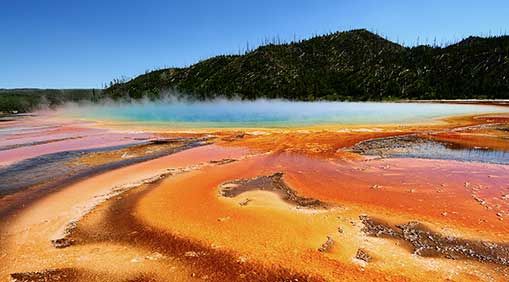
268, 113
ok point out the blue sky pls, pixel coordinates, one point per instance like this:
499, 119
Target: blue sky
85, 43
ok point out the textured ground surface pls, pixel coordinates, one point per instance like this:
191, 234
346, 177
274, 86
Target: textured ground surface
88, 203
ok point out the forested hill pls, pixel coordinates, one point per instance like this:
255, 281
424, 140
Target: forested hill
28, 99
353, 65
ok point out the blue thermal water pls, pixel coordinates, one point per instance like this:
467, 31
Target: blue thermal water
271, 113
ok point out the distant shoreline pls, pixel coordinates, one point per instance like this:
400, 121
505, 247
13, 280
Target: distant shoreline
494, 102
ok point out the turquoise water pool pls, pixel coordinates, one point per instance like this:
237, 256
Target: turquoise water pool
271, 113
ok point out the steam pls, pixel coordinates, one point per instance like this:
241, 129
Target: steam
222, 112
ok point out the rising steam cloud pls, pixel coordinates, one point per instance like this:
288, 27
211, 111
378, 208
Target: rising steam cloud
263, 112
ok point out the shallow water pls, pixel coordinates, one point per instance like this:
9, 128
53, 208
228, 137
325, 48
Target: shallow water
441, 151
270, 113
415, 147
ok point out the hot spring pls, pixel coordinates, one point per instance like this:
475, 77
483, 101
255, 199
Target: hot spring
268, 113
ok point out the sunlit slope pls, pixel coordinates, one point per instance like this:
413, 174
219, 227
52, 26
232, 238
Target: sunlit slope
354, 65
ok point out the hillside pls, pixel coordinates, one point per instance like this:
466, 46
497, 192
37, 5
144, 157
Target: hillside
355, 65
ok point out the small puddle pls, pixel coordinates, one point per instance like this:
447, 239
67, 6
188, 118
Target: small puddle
417, 147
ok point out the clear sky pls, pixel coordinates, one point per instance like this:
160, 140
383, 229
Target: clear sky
85, 43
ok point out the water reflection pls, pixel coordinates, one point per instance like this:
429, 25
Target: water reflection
416, 147
446, 151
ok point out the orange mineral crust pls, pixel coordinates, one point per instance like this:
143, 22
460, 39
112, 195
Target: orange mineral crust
489, 138
266, 231
27, 234
259, 226
290, 204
